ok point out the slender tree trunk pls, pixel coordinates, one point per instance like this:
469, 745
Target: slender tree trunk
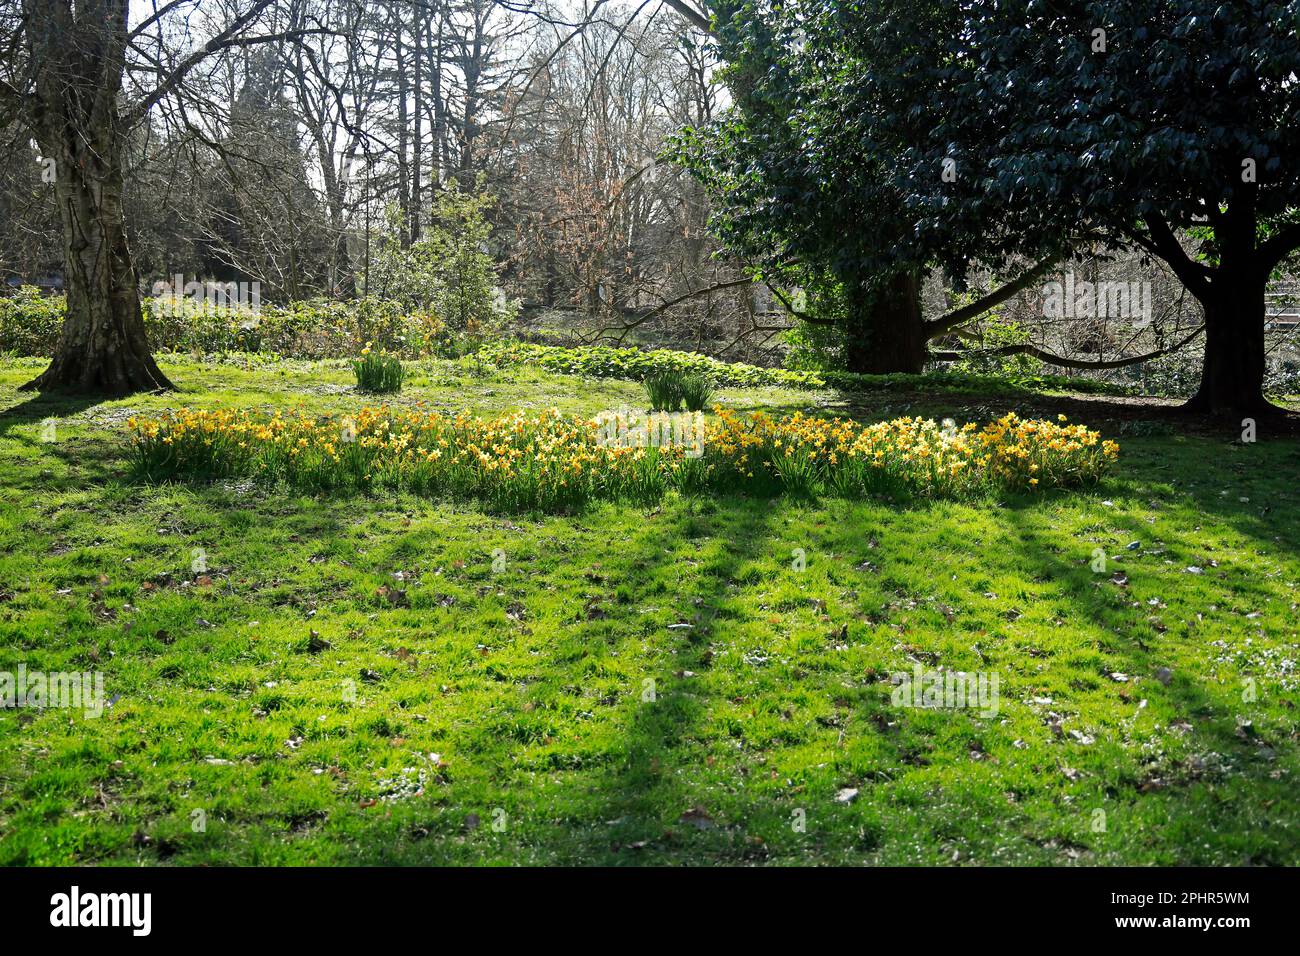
472, 65
440, 150
884, 332
418, 53
1232, 375
102, 348
403, 173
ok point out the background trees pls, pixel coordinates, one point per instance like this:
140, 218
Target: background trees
880, 173
602, 225
288, 142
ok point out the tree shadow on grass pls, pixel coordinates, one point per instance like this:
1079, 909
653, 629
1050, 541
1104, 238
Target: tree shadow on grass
638, 791
88, 460
38, 408
1113, 414
632, 802
1183, 789
626, 802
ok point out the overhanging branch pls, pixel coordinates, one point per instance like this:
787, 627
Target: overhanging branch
627, 327
1160, 240
1050, 359
697, 18
964, 314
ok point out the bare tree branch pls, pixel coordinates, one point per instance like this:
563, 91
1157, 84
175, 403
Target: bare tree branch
698, 19
964, 314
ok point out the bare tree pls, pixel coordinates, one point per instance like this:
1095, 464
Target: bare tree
64, 82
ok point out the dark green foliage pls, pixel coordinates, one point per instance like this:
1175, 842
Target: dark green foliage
664, 390
1059, 127
1105, 115
1120, 123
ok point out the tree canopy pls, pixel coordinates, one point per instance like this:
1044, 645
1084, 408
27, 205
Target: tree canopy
876, 136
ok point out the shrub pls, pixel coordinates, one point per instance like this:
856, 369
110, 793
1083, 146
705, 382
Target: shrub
665, 390
311, 329
30, 322
182, 324
378, 372
449, 270
601, 361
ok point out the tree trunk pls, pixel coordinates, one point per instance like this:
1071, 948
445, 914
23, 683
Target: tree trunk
102, 348
1232, 375
417, 52
403, 173
884, 331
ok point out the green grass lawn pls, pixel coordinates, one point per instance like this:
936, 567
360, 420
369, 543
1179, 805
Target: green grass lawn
398, 680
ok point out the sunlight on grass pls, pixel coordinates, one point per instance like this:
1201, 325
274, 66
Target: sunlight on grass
387, 678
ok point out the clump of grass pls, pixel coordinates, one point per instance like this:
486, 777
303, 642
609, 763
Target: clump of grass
665, 390
378, 372
697, 391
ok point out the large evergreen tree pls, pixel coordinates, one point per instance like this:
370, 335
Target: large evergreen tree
806, 180
1173, 125
873, 137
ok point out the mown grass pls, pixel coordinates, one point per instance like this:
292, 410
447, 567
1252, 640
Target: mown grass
518, 650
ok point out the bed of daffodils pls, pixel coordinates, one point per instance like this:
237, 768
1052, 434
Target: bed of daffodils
545, 460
